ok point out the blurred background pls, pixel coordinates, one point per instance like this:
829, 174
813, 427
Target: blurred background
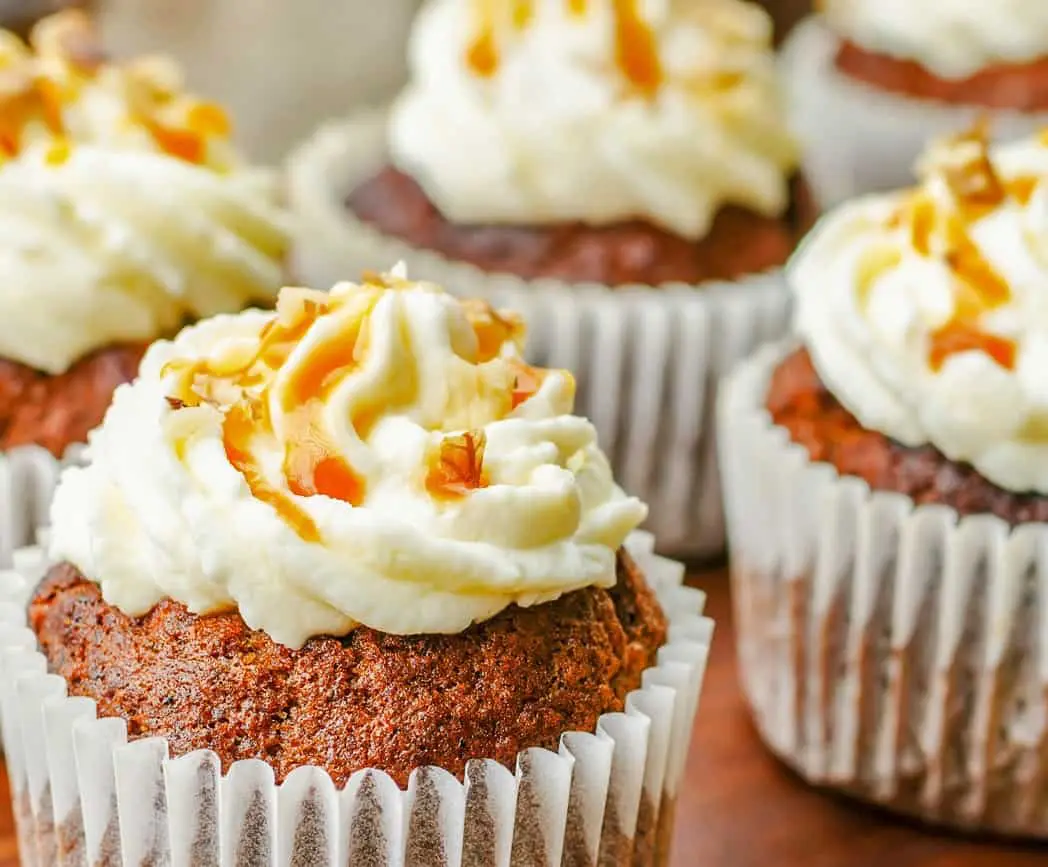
281, 66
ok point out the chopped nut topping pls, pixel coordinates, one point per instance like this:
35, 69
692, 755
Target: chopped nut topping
457, 468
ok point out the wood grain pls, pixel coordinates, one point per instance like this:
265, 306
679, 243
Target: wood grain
740, 808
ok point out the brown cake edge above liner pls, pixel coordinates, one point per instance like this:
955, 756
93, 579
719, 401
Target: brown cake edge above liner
369, 699
1019, 87
56, 411
799, 402
740, 243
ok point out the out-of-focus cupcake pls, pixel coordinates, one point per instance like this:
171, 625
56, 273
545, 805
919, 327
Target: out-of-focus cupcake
871, 81
547, 152
124, 213
358, 543
887, 496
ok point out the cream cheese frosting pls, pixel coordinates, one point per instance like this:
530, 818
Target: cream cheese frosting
124, 209
375, 455
952, 38
598, 111
926, 311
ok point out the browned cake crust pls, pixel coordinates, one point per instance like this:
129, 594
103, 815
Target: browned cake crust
741, 242
799, 402
1020, 86
58, 411
367, 700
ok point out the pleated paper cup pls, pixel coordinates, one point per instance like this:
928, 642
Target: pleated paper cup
86, 795
647, 360
28, 475
858, 139
891, 651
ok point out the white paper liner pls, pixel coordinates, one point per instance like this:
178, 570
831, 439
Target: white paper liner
647, 360
891, 651
858, 139
84, 795
28, 475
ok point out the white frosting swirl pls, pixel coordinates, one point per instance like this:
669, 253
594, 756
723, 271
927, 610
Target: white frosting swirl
926, 312
952, 38
379, 455
124, 210
594, 111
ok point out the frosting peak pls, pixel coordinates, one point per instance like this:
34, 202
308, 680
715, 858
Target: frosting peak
536, 111
926, 311
379, 454
124, 208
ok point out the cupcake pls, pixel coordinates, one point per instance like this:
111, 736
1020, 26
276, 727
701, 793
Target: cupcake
545, 153
886, 477
871, 81
342, 579
124, 212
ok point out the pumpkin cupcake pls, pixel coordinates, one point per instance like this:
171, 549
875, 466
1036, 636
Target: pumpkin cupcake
124, 213
871, 81
351, 564
611, 167
886, 478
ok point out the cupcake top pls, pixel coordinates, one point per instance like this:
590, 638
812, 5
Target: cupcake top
375, 455
594, 111
952, 38
926, 311
124, 209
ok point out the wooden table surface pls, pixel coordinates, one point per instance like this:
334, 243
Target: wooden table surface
739, 808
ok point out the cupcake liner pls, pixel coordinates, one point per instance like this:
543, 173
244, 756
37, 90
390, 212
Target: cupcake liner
887, 650
86, 795
646, 359
28, 475
858, 139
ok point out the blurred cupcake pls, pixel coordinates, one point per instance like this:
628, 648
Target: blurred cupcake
887, 495
871, 81
124, 212
367, 558
574, 148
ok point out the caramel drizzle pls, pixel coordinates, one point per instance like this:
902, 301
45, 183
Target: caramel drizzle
976, 191
27, 95
636, 47
311, 465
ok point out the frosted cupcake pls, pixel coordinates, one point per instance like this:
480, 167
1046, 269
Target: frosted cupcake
124, 213
369, 560
872, 80
574, 148
887, 493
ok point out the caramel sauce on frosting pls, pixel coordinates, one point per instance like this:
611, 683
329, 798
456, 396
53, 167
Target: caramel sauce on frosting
312, 463
44, 84
636, 48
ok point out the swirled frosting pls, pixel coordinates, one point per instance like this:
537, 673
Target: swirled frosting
926, 312
597, 111
375, 455
124, 209
952, 38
